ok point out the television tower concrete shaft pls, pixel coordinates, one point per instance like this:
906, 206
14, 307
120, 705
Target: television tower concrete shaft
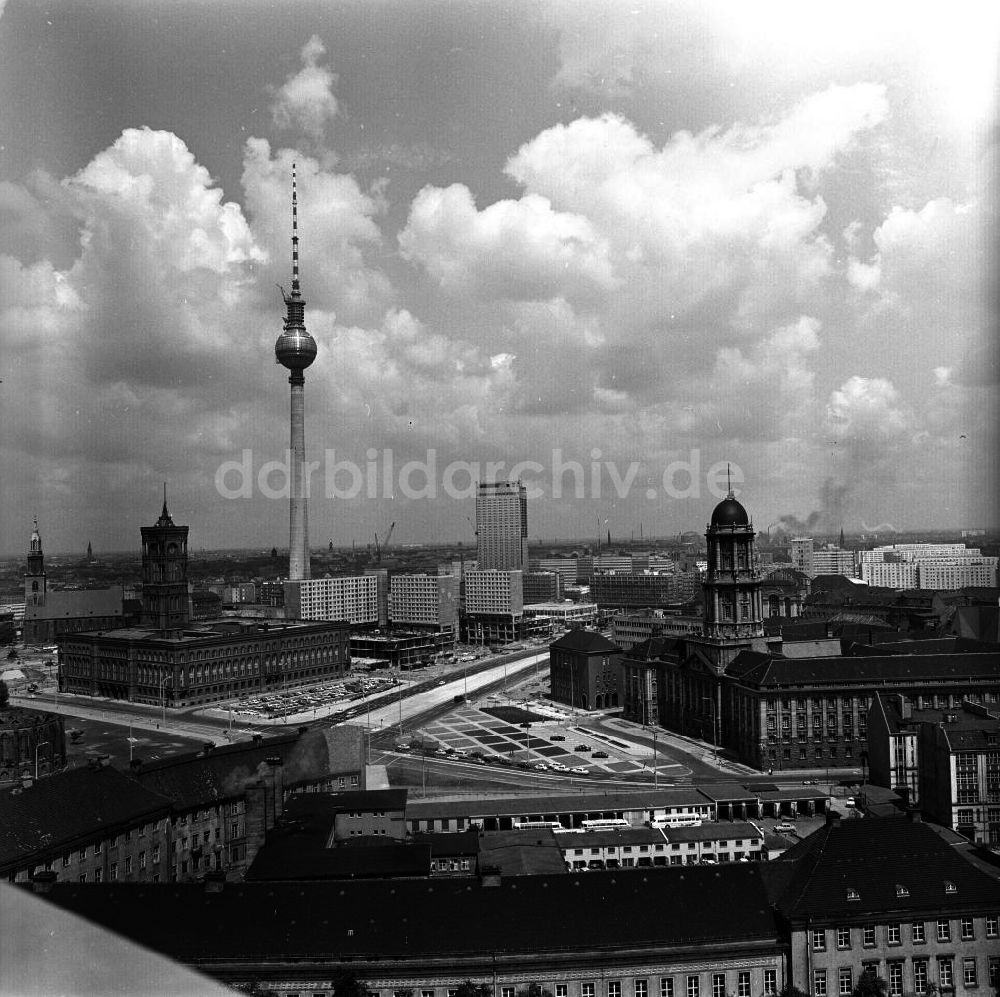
296, 350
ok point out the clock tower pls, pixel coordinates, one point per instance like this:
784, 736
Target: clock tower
165, 599
34, 576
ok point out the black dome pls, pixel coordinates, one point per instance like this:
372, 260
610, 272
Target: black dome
729, 512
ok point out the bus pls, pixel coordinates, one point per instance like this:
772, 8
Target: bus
604, 824
538, 825
675, 820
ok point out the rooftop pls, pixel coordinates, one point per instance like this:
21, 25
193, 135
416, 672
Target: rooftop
254, 922
853, 868
79, 805
589, 641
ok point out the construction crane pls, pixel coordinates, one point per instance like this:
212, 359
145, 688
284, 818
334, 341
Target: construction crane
382, 545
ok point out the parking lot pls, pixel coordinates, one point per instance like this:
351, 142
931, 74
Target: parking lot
553, 741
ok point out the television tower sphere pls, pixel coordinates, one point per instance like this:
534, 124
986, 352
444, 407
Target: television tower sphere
295, 348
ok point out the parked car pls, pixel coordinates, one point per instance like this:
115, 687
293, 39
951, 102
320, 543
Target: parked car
599, 754
558, 737
582, 747
784, 828
810, 782
849, 802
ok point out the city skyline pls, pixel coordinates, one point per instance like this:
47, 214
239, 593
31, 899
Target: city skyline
655, 233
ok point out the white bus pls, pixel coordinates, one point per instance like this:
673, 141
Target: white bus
675, 820
537, 825
604, 824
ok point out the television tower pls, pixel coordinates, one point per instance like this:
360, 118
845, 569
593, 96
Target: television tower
296, 350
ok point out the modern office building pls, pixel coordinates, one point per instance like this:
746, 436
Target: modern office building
502, 525
425, 602
629, 590
494, 606
350, 599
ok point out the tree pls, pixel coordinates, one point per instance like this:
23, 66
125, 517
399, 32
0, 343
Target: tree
870, 985
790, 990
346, 984
470, 989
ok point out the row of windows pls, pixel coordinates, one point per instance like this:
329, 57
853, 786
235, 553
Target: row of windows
693, 985
893, 933
920, 982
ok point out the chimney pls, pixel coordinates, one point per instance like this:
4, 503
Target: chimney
215, 881
832, 818
41, 882
489, 876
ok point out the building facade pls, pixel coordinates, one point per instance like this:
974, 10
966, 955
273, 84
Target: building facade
349, 599
585, 670
628, 590
494, 606
502, 525
425, 601
207, 663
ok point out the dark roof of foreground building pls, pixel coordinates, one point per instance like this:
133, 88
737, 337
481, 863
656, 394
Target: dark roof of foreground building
852, 869
285, 859
62, 810
221, 773
522, 853
589, 641
419, 919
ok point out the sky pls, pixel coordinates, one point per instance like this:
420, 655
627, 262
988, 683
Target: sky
612, 248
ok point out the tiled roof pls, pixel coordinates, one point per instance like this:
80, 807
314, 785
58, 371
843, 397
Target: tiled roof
252, 922
891, 865
754, 668
588, 641
78, 805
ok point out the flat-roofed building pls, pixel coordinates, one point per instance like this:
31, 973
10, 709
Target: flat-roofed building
494, 606
426, 602
350, 599
621, 590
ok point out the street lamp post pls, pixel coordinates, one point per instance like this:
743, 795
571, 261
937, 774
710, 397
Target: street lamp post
41, 744
715, 741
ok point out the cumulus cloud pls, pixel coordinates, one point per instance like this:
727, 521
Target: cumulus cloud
512, 249
306, 99
337, 225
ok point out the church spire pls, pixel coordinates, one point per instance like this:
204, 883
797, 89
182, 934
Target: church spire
165, 519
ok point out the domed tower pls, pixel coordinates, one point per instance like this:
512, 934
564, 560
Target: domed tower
733, 610
165, 599
34, 575
296, 350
